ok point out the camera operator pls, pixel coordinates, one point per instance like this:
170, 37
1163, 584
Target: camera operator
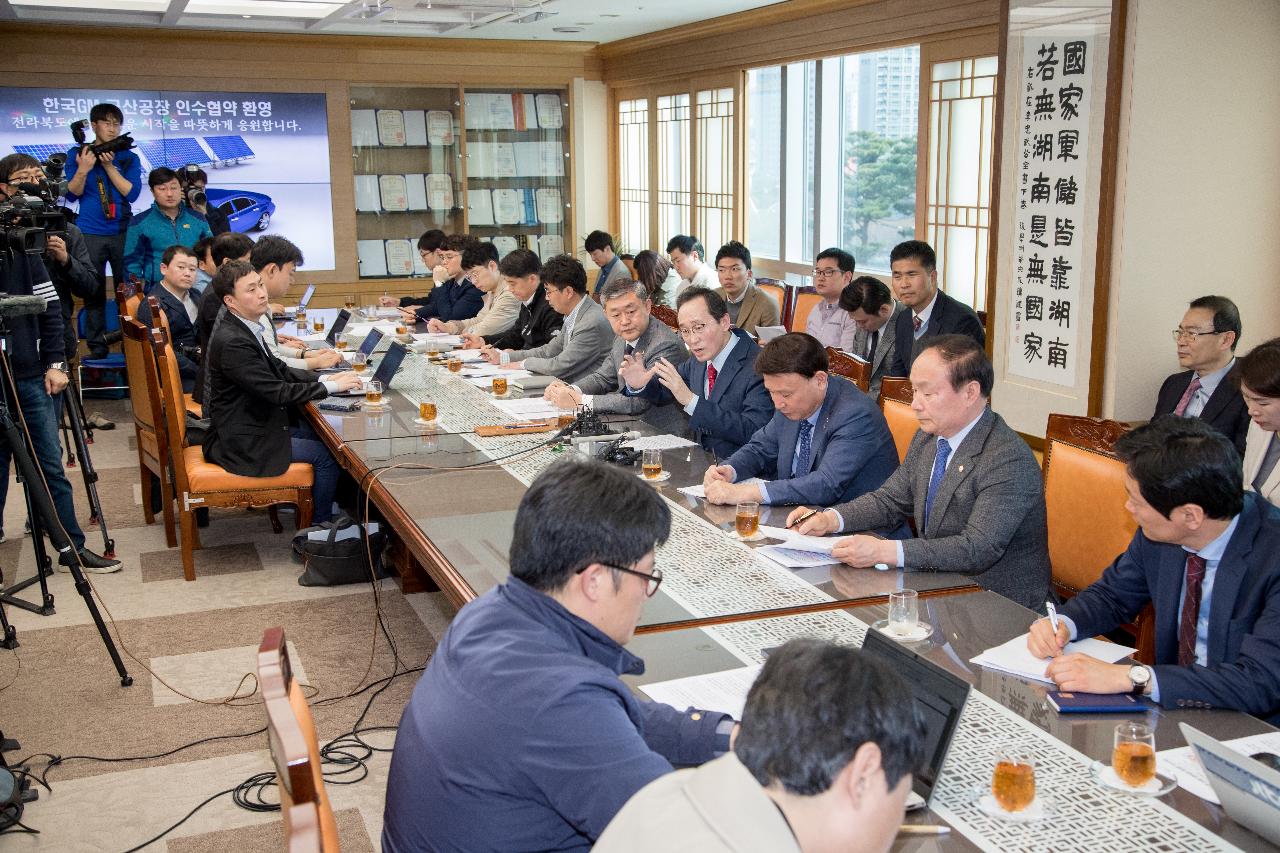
105, 185
194, 181
40, 374
66, 258
168, 222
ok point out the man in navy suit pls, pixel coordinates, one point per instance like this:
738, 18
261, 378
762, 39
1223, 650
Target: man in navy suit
827, 441
932, 312
181, 306
1206, 558
725, 399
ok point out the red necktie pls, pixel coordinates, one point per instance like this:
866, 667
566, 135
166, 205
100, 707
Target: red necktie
711, 378
915, 322
1185, 401
1190, 610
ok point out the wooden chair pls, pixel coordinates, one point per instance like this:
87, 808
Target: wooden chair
295, 750
200, 483
131, 306
150, 431
667, 315
853, 369
780, 293
1088, 524
896, 394
804, 301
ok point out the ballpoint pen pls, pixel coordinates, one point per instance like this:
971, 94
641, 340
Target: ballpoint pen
810, 514
922, 829
1053, 615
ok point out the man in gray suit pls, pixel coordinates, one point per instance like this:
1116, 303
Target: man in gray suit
971, 483
627, 307
599, 246
582, 341
874, 311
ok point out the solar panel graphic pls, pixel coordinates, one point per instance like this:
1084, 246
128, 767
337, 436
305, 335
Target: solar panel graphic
41, 152
228, 147
174, 153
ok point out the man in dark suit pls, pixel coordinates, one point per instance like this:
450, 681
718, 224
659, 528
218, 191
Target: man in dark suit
971, 483
1206, 339
255, 431
180, 305
875, 313
1206, 558
454, 298
826, 441
933, 313
538, 321
723, 396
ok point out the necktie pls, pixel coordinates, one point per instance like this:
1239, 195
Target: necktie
804, 445
1190, 610
915, 323
711, 378
935, 479
630, 349
1187, 395
871, 348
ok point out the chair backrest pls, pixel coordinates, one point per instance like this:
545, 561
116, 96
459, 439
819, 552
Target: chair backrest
302, 829
666, 315
854, 369
291, 733
175, 410
131, 304
779, 293
1084, 496
804, 301
148, 413
896, 394
159, 319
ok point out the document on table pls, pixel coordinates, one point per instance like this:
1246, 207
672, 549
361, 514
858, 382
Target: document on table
1014, 658
798, 542
725, 691
699, 492
768, 333
360, 330
785, 555
442, 338
1186, 768
528, 407
468, 356
486, 382
659, 442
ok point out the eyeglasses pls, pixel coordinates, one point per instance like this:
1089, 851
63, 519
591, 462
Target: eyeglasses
693, 331
828, 273
654, 579
1191, 334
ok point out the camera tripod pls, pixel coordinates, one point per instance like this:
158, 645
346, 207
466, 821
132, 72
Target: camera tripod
76, 437
43, 518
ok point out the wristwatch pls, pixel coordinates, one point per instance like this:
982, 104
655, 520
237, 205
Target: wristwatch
1140, 678
58, 365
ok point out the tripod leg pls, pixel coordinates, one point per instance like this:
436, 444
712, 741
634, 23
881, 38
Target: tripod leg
10, 636
90, 479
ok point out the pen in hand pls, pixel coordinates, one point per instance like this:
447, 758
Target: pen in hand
810, 514
1053, 619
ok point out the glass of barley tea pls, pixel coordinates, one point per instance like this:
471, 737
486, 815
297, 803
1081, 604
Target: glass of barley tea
317, 324
349, 301
651, 463
747, 519
1013, 782
499, 386
340, 344
1134, 756
426, 411
373, 393
359, 362
454, 364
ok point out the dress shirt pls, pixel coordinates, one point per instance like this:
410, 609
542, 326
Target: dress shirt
795, 457
630, 350
189, 304
831, 325
260, 332
706, 276
604, 272
289, 355
1208, 384
202, 281
718, 364
924, 316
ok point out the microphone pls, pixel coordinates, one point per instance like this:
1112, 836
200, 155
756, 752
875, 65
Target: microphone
19, 306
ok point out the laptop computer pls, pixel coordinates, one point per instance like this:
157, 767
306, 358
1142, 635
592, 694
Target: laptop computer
339, 323
1249, 790
371, 342
940, 695
303, 302
386, 371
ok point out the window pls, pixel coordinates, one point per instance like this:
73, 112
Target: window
714, 115
673, 167
633, 172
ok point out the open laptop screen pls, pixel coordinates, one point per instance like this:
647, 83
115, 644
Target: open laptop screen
371, 342
306, 296
390, 364
339, 323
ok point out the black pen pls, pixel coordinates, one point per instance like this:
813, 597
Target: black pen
803, 518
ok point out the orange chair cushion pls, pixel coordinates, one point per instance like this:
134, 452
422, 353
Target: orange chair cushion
1088, 524
903, 424
204, 476
192, 406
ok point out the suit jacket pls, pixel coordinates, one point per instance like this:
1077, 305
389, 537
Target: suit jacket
454, 300
949, 317
716, 808
250, 404
656, 341
852, 451
537, 324
757, 309
885, 348
1243, 667
739, 404
1225, 410
617, 272
182, 330
987, 519
1254, 451
571, 357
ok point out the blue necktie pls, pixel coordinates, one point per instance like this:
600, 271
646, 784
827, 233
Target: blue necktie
935, 479
804, 443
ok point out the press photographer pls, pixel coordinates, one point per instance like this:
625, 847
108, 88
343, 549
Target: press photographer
194, 181
106, 182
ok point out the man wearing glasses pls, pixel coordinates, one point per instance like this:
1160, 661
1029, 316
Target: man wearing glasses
749, 306
520, 734
718, 388
430, 250
453, 297
828, 322
1206, 340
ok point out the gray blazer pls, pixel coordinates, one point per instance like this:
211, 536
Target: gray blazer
987, 519
657, 341
884, 348
573, 356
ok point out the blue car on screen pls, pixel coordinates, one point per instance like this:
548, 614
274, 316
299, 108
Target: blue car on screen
246, 211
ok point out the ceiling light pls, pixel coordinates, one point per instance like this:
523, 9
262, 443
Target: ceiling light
534, 16
567, 29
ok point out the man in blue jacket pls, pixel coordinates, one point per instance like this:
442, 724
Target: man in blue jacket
168, 222
827, 441
454, 298
521, 735
1207, 558
106, 185
718, 389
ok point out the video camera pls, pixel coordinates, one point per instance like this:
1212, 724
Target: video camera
187, 176
29, 217
123, 142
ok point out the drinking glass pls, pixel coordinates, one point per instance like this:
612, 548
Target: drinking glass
317, 324
651, 460
455, 365
499, 386
359, 362
349, 301
1134, 756
1013, 782
747, 519
904, 611
426, 410
340, 344
373, 393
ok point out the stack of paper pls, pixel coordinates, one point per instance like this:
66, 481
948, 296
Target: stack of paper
699, 492
528, 408
440, 338
1014, 658
768, 333
659, 442
725, 692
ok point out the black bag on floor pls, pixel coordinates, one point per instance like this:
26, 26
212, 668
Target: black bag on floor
334, 561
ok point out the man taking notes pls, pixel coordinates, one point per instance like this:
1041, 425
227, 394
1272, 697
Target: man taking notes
1207, 558
826, 441
971, 483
